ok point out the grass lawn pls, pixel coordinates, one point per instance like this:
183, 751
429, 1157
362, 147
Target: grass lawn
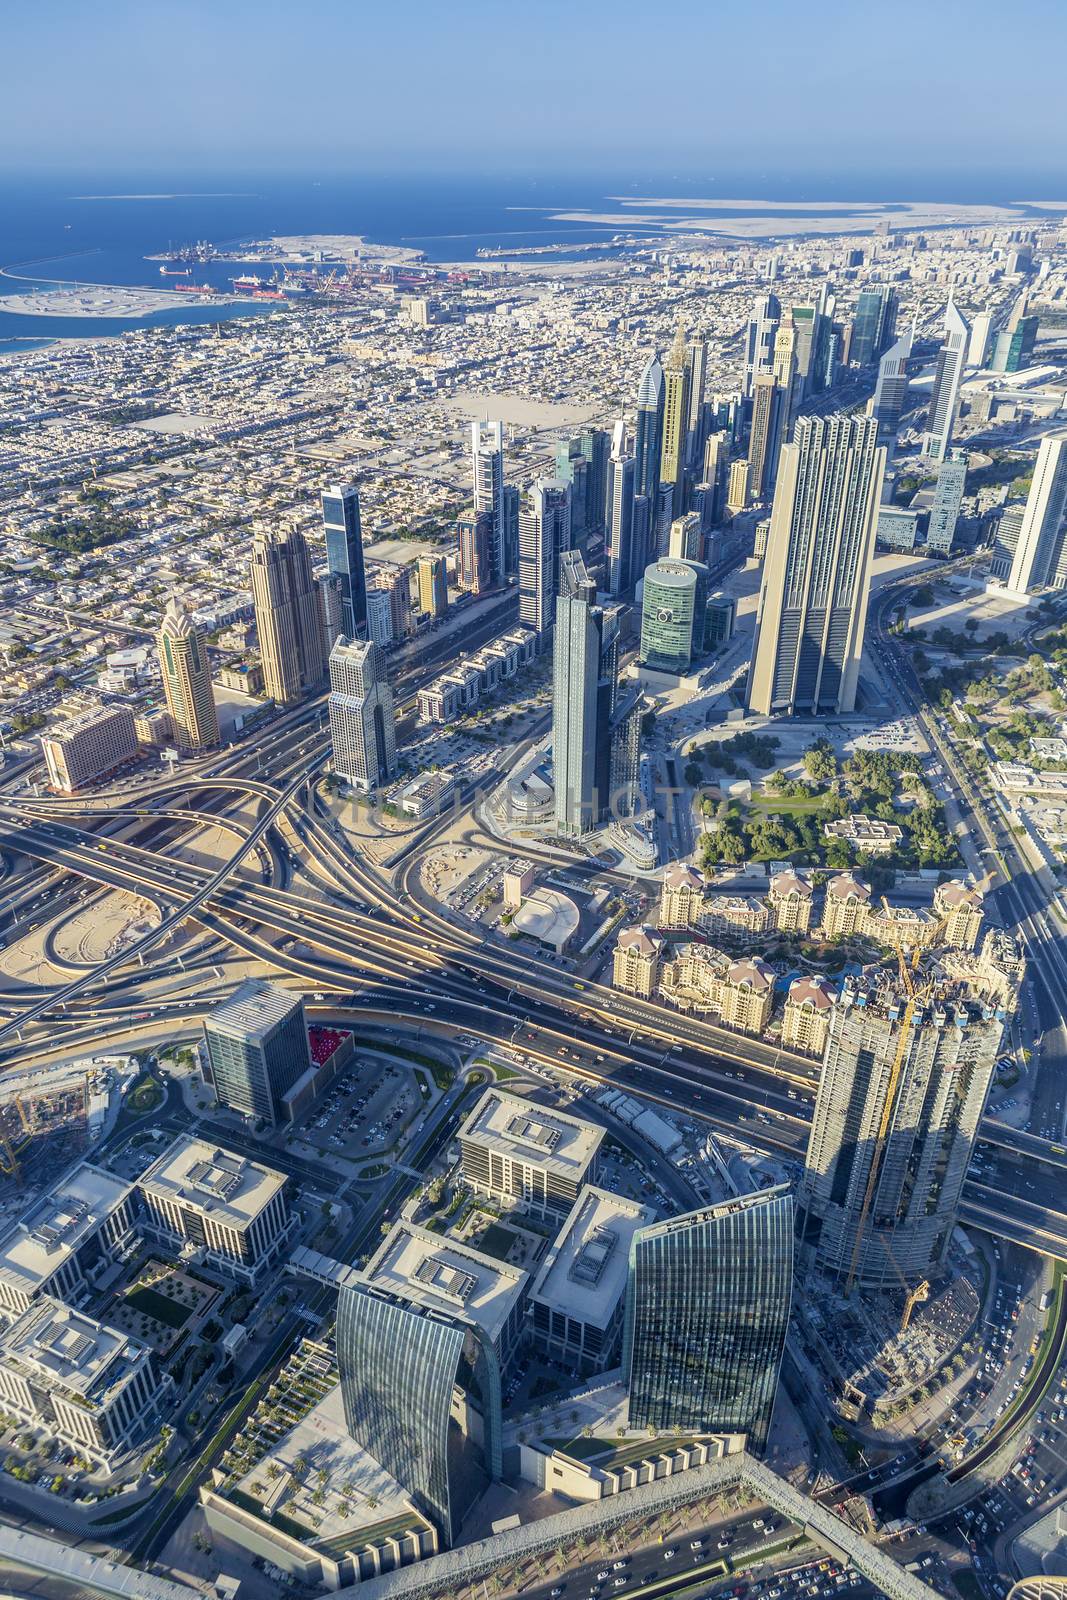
157, 1305
497, 1241
780, 806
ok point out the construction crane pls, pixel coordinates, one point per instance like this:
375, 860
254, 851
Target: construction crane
916, 1297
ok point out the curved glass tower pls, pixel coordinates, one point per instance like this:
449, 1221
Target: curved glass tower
706, 1317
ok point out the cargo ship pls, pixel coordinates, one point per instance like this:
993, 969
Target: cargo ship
195, 288
247, 281
176, 272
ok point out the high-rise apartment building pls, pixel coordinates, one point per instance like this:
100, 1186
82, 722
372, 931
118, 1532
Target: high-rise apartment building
86, 746
544, 534
980, 339
891, 389
344, 556
948, 498
379, 618
902, 1091
759, 338
1014, 348
584, 682
676, 381
948, 376
687, 538
396, 583
362, 724
487, 475
874, 324
1038, 561
288, 616
649, 431
707, 1312
257, 1047
769, 403
738, 491
624, 561
432, 580
474, 537
183, 662
816, 573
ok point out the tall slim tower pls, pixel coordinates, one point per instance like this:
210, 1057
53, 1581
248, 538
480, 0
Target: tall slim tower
765, 437
649, 430
362, 724
1039, 558
676, 379
287, 614
183, 661
759, 338
816, 573
873, 324
697, 423
707, 1311
624, 563
890, 391
948, 498
584, 682
945, 399
544, 534
487, 472
344, 555
900, 1098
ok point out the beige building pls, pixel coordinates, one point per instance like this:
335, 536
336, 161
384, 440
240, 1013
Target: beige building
288, 615
701, 978
183, 661
900, 927
432, 579
735, 916
808, 1008
790, 900
737, 492
845, 906
87, 746
870, 835
748, 996
960, 911
995, 971
682, 897
636, 964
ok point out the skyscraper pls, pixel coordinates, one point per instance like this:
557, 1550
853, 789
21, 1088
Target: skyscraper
676, 382
978, 342
759, 338
362, 725
288, 619
816, 574
687, 538
257, 1047
948, 498
1014, 348
487, 473
891, 389
900, 1098
183, 661
1039, 561
674, 602
707, 1310
433, 584
344, 555
474, 535
697, 425
585, 660
544, 534
765, 437
716, 472
874, 324
945, 398
623, 561
649, 430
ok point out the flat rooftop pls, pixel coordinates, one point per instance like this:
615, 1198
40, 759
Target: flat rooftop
254, 1010
51, 1231
524, 1131
228, 1188
66, 1350
585, 1271
446, 1276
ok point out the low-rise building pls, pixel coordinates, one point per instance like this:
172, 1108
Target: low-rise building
790, 900
519, 1153
808, 1008
234, 1211
518, 879
427, 795
870, 835
87, 746
681, 897
635, 968
66, 1239
578, 1296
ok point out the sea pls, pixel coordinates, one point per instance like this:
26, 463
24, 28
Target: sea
100, 231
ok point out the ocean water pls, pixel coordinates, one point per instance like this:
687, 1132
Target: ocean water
100, 231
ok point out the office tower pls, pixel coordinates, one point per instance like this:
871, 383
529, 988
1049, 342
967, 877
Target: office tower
572, 469
1038, 560
432, 580
874, 324
673, 614
329, 607
901, 1094
487, 472
582, 462
759, 339
765, 437
288, 619
803, 320
698, 416
623, 568
362, 725
585, 656
687, 538
379, 618
544, 534
716, 470
707, 1310
344, 555
257, 1047
980, 338
1014, 348
891, 389
1006, 540
648, 432
186, 671
737, 493
720, 613
474, 536
88, 745
676, 381
945, 399
703, 500
1020, 261
948, 498
424, 1336
816, 574
396, 583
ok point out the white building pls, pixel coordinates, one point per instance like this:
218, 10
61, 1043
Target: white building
204, 1201
519, 1153
66, 1239
362, 722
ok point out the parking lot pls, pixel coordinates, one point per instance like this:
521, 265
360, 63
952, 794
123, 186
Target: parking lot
366, 1111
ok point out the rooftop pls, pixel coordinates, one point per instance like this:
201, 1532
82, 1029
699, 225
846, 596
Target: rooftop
647, 941
66, 1350
50, 1232
254, 1010
228, 1188
585, 1271
527, 1132
446, 1276
680, 875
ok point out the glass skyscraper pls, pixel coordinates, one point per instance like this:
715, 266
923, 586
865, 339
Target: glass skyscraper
706, 1317
673, 605
257, 1048
344, 556
873, 324
649, 432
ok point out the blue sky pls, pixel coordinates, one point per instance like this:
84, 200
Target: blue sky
675, 87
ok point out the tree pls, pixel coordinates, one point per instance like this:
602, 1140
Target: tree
820, 763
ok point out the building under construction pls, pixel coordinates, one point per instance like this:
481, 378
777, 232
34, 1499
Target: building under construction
45, 1120
909, 1059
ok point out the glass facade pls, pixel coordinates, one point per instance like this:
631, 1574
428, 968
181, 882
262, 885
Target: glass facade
252, 1072
706, 1317
674, 599
399, 1367
344, 555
